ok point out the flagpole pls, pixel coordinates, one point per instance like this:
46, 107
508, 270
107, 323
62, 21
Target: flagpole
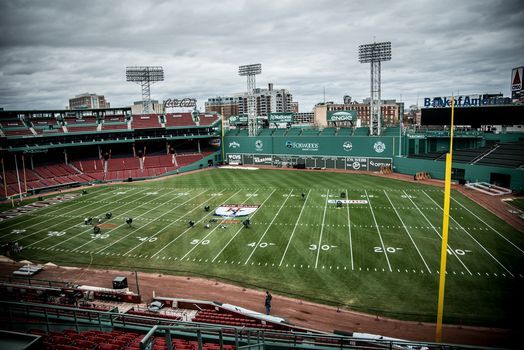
445, 229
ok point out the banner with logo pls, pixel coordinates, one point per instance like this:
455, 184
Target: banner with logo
238, 119
280, 117
235, 210
342, 116
357, 164
375, 164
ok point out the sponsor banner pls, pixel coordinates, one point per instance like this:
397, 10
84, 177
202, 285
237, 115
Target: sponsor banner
341, 116
234, 144
280, 117
357, 163
262, 160
348, 201
235, 210
465, 101
238, 119
303, 146
234, 158
374, 164
516, 78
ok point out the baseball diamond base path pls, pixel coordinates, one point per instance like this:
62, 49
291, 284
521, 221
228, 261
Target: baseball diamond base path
295, 311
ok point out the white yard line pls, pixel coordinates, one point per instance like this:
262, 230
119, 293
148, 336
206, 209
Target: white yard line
480, 245
240, 229
349, 233
52, 218
130, 210
321, 229
189, 228
165, 227
267, 229
485, 223
150, 222
407, 231
294, 228
52, 209
67, 220
378, 230
436, 231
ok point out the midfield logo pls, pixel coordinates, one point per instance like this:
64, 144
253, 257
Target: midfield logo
235, 210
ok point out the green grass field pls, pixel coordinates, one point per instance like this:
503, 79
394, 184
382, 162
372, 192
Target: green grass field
379, 255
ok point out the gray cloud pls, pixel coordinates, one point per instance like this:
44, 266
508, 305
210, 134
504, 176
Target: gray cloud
52, 50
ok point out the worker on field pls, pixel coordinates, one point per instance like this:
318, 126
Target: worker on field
267, 302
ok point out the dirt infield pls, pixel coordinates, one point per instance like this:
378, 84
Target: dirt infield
296, 311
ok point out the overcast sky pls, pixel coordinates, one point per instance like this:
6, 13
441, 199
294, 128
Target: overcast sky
53, 50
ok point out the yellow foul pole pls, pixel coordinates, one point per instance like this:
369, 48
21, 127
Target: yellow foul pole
445, 227
222, 132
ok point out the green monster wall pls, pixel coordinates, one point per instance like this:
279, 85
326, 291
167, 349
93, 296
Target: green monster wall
337, 146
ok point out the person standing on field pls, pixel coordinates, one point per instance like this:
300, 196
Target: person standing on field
267, 303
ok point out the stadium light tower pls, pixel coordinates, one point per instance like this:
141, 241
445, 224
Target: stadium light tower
145, 76
374, 54
250, 71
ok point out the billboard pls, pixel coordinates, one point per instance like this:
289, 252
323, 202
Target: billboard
280, 117
342, 116
517, 93
238, 119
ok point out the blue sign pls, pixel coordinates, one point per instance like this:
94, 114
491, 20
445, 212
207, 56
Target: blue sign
466, 101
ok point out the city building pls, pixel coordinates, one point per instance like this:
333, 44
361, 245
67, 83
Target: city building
391, 112
88, 101
294, 107
303, 118
267, 101
225, 105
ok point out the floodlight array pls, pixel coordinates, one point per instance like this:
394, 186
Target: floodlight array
250, 69
375, 52
142, 74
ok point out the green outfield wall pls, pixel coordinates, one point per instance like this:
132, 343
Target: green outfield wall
467, 172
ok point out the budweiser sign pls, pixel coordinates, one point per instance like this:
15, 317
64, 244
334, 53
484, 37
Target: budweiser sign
185, 102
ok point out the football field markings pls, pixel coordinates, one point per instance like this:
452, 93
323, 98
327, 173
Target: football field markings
59, 223
88, 228
294, 228
165, 227
158, 217
473, 238
378, 230
321, 229
51, 218
134, 208
53, 208
240, 229
209, 233
485, 223
267, 229
438, 233
349, 233
186, 230
407, 231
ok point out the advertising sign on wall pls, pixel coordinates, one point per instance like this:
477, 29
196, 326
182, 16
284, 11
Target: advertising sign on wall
280, 117
341, 116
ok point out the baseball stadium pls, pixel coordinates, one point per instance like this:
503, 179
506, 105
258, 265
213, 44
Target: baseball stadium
165, 230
